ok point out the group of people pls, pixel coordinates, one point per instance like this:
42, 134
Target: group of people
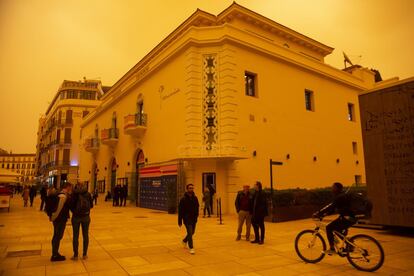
119, 195
29, 192
251, 207
79, 202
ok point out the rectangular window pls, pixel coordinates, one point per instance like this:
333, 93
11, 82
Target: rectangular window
351, 112
309, 101
66, 156
57, 156
68, 133
250, 84
71, 94
69, 116
354, 148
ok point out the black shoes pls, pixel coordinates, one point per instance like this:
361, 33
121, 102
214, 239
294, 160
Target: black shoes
255, 241
57, 258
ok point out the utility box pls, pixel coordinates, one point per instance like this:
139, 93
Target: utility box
387, 118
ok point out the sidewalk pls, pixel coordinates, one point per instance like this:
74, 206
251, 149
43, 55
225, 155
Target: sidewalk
134, 241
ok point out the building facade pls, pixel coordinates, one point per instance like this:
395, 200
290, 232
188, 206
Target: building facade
214, 102
59, 130
23, 163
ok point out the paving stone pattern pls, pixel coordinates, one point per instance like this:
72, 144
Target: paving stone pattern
135, 241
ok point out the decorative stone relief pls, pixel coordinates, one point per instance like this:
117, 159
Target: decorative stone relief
210, 105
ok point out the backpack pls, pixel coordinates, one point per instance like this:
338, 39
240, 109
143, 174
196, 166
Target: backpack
51, 203
83, 204
360, 205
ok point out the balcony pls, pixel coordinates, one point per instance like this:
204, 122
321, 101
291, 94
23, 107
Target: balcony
110, 136
60, 142
91, 145
135, 124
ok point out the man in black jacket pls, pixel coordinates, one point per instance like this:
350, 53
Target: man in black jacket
259, 211
43, 195
59, 219
244, 207
188, 212
341, 203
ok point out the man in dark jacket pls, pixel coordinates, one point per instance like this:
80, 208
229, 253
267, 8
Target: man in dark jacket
59, 219
259, 211
43, 195
188, 213
244, 207
81, 204
32, 194
342, 204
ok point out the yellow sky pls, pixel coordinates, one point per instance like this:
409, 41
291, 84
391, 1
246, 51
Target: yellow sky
43, 42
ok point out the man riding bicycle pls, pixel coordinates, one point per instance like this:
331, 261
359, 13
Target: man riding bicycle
341, 203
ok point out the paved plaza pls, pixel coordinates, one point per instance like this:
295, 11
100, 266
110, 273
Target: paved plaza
136, 241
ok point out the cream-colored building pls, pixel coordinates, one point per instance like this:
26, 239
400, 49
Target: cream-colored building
215, 101
58, 136
21, 163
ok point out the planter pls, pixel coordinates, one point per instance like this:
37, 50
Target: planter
294, 212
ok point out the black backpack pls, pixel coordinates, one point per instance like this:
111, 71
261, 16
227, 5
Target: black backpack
360, 205
83, 204
51, 203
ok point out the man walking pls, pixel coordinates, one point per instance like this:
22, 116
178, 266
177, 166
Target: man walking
124, 192
259, 211
59, 219
244, 207
188, 213
32, 194
81, 204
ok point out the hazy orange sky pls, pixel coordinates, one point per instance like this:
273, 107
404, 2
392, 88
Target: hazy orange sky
43, 42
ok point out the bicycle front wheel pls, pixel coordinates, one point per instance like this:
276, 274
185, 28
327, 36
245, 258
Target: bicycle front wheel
310, 246
365, 253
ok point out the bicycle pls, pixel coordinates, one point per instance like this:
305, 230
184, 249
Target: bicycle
363, 252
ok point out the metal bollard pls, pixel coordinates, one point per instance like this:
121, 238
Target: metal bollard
221, 220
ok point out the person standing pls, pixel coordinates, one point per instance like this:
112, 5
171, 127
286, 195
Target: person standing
81, 204
259, 211
212, 192
244, 207
124, 192
25, 195
32, 194
43, 195
59, 219
188, 213
206, 201
95, 196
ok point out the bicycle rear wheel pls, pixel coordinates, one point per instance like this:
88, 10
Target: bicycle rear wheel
367, 254
309, 246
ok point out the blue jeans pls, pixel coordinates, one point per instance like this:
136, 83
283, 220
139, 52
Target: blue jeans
190, 232
76, 223
58, 231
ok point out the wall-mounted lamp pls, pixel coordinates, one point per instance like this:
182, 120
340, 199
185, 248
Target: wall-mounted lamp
357, 162
117, 166
146, 160
288, 156
89, 172
106, 168
315, 159
254, 153
337, 160
129, 163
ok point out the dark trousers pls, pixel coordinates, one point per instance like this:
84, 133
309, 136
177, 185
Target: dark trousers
76, 223
206, 207
190, 232
125, 199
58, 231
42, 204
340, 224
115, 201
121, 200
258, 222
31, 201
96, 200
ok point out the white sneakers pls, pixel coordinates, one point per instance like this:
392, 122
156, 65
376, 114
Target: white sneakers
192, 251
